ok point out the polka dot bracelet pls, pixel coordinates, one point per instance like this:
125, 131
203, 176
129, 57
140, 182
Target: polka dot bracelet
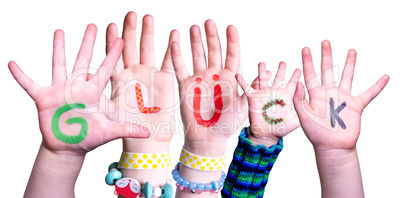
144, 161
201, 163
131, 188
187, 186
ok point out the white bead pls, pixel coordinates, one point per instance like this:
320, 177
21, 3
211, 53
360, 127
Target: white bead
157, 192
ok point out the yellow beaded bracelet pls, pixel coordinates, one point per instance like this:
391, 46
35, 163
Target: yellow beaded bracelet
201, 163
144, 161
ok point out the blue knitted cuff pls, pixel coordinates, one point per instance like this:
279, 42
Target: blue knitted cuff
277, 148
250, 168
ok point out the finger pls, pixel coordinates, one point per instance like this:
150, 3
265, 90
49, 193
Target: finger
197, 49
178, 63
214, 45
262, 76
293, 80
111, 34
130, 51
89, 76
243, 84
85, 54
147, 55
233, 49
300, 102
327, 72
348, 72
167, 61
374, 90
106, 70
59, 74
310, 78
280, 74
24, 81
269, 75
256, 81
115, 130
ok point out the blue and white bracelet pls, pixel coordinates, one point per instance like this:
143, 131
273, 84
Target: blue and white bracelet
187, 186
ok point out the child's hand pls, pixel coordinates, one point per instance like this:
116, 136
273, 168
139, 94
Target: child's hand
211, 107
141, 93
331, 120
72, 111
270, 108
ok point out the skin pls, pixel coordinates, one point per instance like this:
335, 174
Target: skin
208, 141
335, 148
54, 156
259, 94
138, 66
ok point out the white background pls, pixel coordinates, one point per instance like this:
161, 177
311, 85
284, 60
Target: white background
269, 31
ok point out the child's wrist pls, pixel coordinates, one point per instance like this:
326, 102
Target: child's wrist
154, 165
155, 177
339, 172
258, 137
145, 145
335, 157
56, 162
266, 141
206, 148
62, 158
53, 166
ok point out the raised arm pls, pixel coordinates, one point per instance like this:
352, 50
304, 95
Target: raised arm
211, 110
72, 118
331, 121
144, 94
271, 118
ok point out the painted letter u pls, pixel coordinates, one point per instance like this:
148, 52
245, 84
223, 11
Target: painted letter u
218, 107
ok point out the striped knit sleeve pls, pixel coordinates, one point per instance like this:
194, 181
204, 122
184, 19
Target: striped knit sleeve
248, 173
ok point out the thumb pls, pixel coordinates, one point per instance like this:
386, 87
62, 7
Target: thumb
299, 93
300, 102
117, 130
89, 76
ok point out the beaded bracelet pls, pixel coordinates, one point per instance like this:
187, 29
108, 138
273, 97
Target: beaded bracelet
187, 186
131, 188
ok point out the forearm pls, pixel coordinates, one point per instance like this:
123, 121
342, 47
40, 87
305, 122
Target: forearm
54, 174
339, 172
250, 168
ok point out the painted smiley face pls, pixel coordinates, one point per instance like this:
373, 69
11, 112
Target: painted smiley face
217, 100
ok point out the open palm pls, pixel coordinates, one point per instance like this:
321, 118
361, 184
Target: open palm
270, 108
331, 120
77, 101
142, 93
211, 106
